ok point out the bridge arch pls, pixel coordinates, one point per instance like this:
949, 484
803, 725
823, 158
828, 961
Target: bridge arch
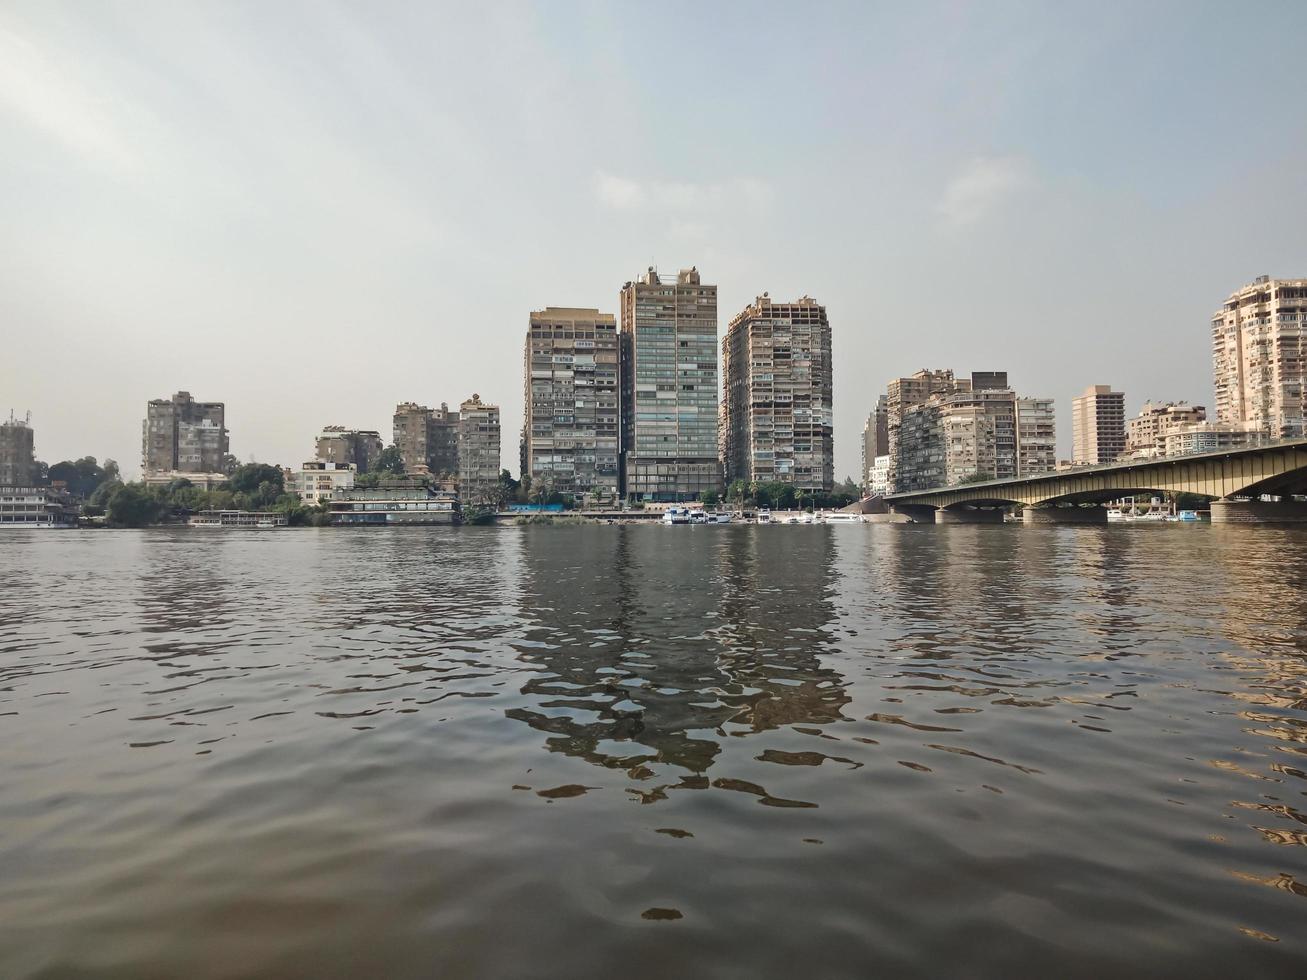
1278, 469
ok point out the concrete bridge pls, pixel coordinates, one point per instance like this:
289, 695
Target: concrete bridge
1236, 478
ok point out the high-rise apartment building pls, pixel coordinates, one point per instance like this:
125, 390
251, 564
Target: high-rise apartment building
427, 439
571, 431
181, 435
1036, 436
17, 453
776, 418
478, 452
1146, 433
359, 447
875, 439
1259, 357
904, 394
669, 387
967, 429
1097, 425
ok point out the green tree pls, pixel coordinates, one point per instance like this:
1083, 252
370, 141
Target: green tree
710, 499
390, 461
83, 476
506, 490
131, 506
250, 478
100, 498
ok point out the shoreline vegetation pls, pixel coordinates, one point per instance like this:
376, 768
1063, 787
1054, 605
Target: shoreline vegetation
106, 500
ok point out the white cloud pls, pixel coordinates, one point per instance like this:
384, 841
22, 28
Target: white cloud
629, 194
48, 97
981, 187
618, 193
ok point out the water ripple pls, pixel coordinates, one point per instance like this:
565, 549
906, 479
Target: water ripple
539, 751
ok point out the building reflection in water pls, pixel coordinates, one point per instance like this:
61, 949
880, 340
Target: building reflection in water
740, 622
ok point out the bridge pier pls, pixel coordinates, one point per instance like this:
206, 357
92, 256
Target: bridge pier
1259, 512
969, 515
1064, 515
917, 513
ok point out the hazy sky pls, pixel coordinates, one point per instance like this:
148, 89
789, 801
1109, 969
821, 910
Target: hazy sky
312, 211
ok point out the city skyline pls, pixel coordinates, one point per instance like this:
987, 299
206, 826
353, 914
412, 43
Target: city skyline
342, 228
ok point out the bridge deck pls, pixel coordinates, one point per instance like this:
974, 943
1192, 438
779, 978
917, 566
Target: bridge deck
1217, 474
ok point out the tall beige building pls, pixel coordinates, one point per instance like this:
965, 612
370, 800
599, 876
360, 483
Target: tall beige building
571, 430
1259, 357
1036, 434
181, 435
17, 453
669, 387
1097, 425
478, 452
427, 439
776, 419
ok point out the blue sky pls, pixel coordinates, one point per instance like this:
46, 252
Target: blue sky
313, 211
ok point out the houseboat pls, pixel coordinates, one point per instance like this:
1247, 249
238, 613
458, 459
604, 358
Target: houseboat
258, 520
38, 507
395, 503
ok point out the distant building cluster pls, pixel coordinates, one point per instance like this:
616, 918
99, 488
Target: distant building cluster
942, 430
633, 406
934, 430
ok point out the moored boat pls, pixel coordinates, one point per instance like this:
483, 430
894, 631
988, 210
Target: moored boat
247, 519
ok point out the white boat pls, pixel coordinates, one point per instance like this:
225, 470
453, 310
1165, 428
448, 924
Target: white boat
1147, 517
698, 516
839, 517
764, 517
719, 518
676, 515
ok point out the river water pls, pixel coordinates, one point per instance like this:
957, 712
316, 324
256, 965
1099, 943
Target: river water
844, 751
